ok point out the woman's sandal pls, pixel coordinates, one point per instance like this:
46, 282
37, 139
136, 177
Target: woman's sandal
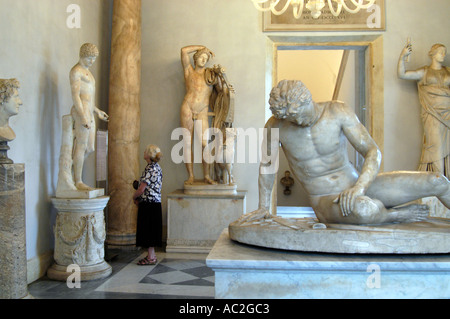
147, 261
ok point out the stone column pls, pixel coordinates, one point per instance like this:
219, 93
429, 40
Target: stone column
13, 256
124, 124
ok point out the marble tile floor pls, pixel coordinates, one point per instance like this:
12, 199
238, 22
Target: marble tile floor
175, 276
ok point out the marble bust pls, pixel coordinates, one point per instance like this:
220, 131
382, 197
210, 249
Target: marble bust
9, 106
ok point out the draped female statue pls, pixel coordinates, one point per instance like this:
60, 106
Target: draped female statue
433, 84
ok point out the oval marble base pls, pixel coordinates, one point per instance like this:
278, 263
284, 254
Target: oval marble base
306, 234
98, 271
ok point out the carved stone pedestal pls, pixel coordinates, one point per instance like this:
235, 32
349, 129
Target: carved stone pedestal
13, 257
79, 238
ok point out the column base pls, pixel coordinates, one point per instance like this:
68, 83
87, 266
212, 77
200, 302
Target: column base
121, 241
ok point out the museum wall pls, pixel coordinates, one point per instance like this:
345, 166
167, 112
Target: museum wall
39, 49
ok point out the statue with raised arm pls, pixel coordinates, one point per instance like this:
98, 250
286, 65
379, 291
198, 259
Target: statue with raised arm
9, 106
314, 139
79, 128
433, 83
208, 95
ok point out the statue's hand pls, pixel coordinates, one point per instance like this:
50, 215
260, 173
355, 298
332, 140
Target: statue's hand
211, 53
407, 50
86, 123
103, 116
347, 198
260, 213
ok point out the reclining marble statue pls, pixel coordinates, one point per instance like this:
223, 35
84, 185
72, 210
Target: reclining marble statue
10, 103
79, 127
314, 139
208, 94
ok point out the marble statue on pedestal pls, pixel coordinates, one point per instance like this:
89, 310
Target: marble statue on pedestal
314, 139
9, 106
208, 94
79, 128
433, 83
80, 222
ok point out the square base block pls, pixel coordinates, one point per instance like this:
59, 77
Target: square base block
195, 222
248, 272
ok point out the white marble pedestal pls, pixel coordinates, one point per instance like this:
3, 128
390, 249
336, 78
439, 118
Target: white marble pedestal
195, 221
79, 238
248, 272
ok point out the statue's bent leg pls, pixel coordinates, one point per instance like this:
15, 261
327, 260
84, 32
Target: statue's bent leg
372, 212
366, 211
398, 188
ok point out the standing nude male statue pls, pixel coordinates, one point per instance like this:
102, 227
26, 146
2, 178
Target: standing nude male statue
313, 137
195, 105
82, 83
80, 128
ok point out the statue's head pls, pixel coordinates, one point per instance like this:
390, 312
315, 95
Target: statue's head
9, 97
10, 103
201, 57
438, 50
288, 98
88, 54
88, 50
